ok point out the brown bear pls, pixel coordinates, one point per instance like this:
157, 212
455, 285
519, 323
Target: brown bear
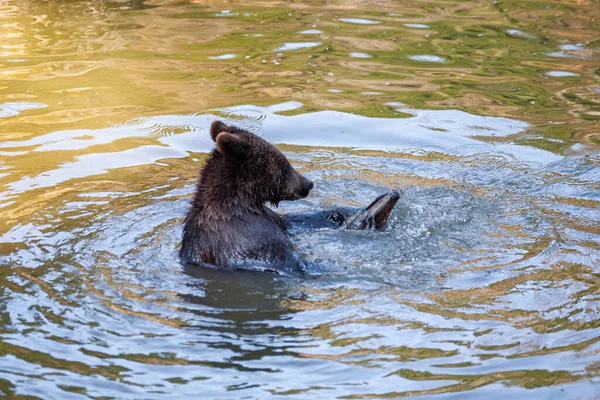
228, 224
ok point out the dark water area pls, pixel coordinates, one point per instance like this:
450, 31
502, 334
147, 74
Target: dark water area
484, 115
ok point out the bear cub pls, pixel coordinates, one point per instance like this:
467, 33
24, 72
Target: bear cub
228, 224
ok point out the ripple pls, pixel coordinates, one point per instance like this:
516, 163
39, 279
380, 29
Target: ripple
474, 234
454, 132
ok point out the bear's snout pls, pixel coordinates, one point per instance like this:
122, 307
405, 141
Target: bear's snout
299, 185
306, 187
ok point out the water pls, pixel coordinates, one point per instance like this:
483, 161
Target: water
484, 284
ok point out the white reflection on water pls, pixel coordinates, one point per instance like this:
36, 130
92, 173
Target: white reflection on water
520, 33
311, 32
11, 109
360, 21
223, 57
427, 58
360, 55
561, 74
290, 46
446, 131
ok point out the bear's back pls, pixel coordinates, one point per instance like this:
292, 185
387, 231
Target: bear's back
251, 241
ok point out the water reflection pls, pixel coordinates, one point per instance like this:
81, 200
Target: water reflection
297, 46
561, 74
428, 58
223, 57
360, 21
485, 283
520, 33
482, 276
446, 131
10, 109
360, 55
311, 32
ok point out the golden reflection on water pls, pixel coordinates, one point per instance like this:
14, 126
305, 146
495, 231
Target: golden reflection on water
96, 64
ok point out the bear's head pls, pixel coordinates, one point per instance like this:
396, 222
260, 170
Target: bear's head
251, 169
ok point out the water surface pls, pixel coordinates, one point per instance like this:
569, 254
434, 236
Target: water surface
484, 115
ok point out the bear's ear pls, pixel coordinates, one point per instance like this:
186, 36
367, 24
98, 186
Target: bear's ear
233, 146
216, 128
